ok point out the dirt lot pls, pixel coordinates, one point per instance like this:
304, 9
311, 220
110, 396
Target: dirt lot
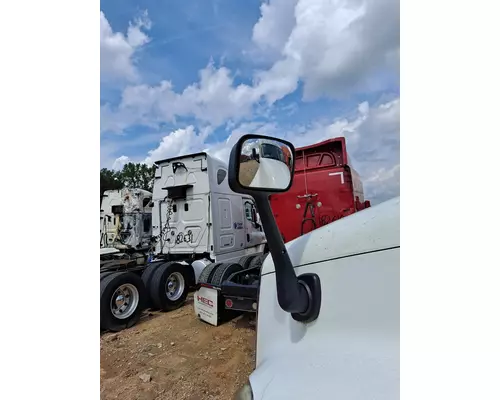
175, 356
248, 170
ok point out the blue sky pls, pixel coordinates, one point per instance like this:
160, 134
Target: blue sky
181, 75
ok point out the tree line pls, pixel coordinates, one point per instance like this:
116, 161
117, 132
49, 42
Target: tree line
133, 175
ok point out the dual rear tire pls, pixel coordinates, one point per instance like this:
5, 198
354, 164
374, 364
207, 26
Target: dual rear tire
216, 273
167, 285
123, 298
124, 295
162, 286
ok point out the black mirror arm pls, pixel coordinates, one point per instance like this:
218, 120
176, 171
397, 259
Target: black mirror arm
292, 295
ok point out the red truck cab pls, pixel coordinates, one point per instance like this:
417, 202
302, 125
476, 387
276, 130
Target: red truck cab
325, 188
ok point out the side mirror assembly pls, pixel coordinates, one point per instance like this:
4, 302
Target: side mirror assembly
300, 296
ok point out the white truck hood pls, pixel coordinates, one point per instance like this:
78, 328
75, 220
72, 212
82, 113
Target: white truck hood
371, 229
348, 368
351, 352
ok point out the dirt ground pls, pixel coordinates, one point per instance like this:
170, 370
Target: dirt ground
248, 169
176, 356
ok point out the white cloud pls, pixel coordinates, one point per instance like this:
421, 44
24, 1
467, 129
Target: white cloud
273, 28
372, 139
118, 50
222, 149
120, 163
180, 141
335, 47
213, 100
190, 140
383, 183
372, 136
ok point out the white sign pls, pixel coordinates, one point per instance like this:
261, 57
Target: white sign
205, 305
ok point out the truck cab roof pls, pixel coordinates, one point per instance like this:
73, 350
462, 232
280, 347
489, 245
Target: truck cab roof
184, 156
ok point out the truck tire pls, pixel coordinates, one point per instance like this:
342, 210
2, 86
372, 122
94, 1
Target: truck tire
122, 300
146, 277
169, 286
246, 260
223, 271
258, 261
207, 273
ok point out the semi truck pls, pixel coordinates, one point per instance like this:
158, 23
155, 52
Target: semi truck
160, 249
328, 310
325, 187
121, 211
125, 230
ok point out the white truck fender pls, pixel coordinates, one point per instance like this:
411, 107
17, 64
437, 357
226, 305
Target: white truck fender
198, 266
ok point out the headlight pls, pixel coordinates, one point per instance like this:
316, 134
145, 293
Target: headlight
245, 393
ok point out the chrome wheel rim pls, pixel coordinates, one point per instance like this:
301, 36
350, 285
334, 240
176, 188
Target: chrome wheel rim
174, 286
124, 301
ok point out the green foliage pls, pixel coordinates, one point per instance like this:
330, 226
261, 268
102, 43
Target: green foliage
138, 176
110, 180
133, 175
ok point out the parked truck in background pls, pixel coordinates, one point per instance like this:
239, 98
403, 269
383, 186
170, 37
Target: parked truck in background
126, 219
325, 188
125, 230
195, 221
328, 310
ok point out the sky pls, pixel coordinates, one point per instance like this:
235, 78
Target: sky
181, 76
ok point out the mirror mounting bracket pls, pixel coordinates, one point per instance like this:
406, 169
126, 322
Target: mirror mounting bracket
299, 296
312, 284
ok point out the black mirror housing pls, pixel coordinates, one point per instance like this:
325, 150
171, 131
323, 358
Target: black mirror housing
234, 166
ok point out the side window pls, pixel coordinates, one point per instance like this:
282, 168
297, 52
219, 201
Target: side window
313, 160
117, 209
221, 174
248, 211
327, 159
147, 223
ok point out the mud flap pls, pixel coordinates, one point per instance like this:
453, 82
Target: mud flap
206, 302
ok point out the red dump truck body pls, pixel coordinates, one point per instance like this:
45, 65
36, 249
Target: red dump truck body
325, 188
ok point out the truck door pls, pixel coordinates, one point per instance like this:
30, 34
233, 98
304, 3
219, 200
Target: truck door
187, 224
